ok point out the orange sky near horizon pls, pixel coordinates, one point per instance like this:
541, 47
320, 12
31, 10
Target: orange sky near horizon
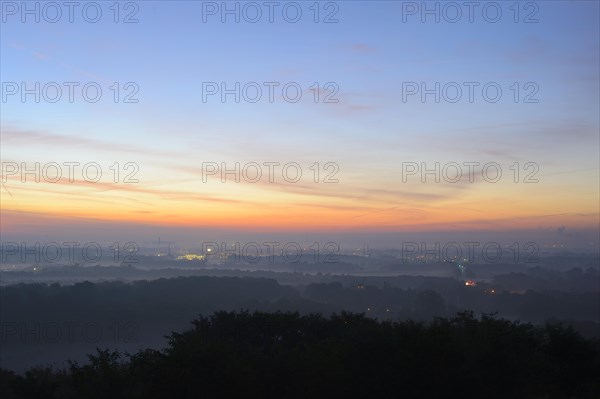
415, 206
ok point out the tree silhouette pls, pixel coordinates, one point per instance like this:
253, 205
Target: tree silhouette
288, 355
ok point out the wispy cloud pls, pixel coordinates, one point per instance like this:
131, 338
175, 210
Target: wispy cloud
39, 138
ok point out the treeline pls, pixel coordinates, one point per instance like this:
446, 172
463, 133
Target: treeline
41, 324
539, 279
445, 299
181, 298
287, 355
166, 304
500, 277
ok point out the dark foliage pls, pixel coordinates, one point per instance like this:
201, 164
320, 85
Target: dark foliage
286, 355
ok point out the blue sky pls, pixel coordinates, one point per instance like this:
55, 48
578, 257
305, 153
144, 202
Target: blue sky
368, 54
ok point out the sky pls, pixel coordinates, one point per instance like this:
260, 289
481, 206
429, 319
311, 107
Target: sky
362, 133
